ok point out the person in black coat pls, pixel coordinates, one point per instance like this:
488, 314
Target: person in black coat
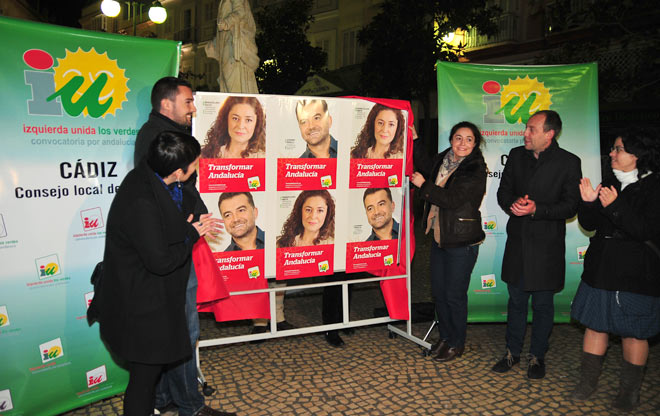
453, 186
539, 191
619, 292
148, 253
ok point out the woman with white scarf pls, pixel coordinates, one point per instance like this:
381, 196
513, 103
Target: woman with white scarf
452, 195
619, 293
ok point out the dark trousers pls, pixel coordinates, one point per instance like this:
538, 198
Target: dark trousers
139, 397
332, 311
543, 311
451, 269
178, 382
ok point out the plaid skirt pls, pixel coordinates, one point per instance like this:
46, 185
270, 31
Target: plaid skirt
626, 314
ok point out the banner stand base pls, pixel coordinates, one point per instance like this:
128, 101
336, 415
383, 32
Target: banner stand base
409, 336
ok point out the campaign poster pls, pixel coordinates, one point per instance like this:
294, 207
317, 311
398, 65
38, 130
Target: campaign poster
378, 146
374, 229
305, 243
73, 103
232, 132
307, 144
239, 253
500, 100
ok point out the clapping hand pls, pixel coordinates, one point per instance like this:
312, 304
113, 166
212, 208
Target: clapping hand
607, 195
523, 206
587, 192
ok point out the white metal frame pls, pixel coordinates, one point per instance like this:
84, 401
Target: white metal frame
346, 323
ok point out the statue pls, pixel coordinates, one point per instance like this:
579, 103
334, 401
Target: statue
234, 47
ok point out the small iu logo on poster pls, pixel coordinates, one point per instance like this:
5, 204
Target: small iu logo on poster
48, 266
490, 223
488, 281
581, 251
92, 219
3, 227
4, 316
96, 376
5, 401
51, 350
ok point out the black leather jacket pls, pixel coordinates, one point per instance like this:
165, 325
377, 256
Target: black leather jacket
458, 201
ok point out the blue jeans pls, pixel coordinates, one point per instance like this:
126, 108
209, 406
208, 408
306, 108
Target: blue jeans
543, 309
178, 382
451, 269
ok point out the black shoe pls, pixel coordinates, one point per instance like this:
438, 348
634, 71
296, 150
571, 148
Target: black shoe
449, 354
506, 363
284, 326
535, 367
630, 382
590, 369
258, 329
440, 345
334, 339
207, 411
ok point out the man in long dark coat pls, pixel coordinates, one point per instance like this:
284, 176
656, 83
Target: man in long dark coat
172, 109
539, 190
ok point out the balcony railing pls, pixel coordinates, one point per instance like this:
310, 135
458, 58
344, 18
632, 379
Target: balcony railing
199, 34
507, 31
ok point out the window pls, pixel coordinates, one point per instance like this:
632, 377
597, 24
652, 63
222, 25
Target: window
350, 50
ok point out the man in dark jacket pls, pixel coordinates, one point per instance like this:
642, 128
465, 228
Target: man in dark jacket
539, 190
173, 105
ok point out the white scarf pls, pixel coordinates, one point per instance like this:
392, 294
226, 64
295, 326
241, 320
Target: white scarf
626, 178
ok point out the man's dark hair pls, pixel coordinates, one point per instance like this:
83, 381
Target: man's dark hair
552, 121
370, 191
167, 87
229, 195
304, 103
172, 150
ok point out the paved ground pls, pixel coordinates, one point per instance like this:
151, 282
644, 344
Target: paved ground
376, 375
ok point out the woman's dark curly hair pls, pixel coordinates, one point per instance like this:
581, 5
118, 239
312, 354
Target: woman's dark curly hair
644, 143
293, 225
367, 138
218, 134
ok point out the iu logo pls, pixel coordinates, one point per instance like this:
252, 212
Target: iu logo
92, 219
516, 101
3, 228
51, 350
48, 266
96, 376
5, 401
82, 82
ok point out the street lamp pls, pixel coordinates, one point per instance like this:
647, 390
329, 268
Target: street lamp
157, 12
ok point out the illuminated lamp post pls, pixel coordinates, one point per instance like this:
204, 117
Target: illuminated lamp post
157, 12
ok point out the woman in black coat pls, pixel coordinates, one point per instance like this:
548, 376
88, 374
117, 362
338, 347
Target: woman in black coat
453, 191
619, 292
148, 251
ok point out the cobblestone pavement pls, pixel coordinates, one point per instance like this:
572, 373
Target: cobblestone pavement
374, 374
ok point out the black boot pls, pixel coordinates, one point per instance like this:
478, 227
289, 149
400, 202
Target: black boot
630, 382
589, 373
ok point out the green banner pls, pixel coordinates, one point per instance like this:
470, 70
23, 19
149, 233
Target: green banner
500, 100
72, 102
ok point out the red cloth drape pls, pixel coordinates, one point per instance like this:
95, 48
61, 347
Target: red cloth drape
213, 290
